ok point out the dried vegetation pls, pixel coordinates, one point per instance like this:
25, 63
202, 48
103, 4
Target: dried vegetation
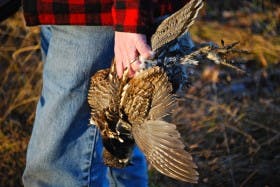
231, 121
20, 82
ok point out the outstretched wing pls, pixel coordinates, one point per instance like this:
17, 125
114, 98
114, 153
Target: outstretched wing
161, 144
176, 24
163, 99
147, 96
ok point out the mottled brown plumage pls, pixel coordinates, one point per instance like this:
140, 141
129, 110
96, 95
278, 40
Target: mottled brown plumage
145, 100
104, 98
129, 111
176, 24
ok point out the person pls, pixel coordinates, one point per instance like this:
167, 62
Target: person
78, 38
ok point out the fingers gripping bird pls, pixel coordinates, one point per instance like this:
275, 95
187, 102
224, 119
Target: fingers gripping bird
130, 111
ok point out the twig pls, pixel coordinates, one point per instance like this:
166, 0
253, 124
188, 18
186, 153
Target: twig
261, 126
248, 178
225, 137
233, 67
271, 139
10, 109
248, 136
25, 49
223, 107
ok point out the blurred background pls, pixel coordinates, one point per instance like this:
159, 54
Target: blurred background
230, 121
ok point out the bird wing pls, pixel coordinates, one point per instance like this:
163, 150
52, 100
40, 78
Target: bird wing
147, 96
161, 144
101, 95
175, 25
136, 101
163, 99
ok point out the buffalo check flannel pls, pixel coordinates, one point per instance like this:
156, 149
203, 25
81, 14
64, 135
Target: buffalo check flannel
127, 16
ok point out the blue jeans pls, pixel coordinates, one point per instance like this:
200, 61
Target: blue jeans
64, 151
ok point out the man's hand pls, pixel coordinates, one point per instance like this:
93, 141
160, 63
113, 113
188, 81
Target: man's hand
128, 48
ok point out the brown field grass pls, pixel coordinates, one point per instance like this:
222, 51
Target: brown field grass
229, 121
20, 69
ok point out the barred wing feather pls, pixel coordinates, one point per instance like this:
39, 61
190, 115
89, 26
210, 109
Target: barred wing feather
176, 24
160, 142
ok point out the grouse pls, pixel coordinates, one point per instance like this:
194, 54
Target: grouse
131, 111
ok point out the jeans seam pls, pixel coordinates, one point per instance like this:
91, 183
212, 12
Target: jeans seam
114, 179
93, 147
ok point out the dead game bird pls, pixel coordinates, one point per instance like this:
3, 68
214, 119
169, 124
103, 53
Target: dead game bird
130, 111
137, 118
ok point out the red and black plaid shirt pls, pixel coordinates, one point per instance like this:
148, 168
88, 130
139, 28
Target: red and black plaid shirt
127, 16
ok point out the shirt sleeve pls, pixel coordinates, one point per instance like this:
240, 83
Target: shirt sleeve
138, 16
132, 15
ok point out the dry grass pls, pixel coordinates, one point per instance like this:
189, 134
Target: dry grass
19, 90
230, 122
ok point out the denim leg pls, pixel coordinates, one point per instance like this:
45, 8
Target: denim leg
63, 149
46, 33
134, 175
